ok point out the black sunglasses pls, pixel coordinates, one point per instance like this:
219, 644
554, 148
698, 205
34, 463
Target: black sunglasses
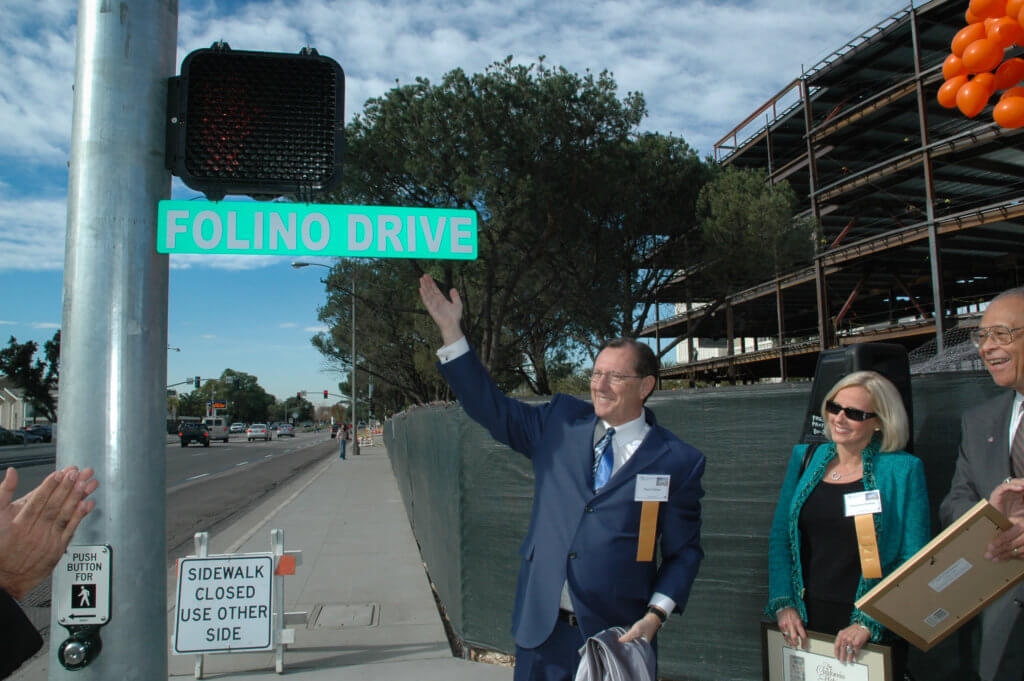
851, 413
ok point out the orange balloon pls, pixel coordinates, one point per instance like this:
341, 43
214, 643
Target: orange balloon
947, 93
972, 18
988, 8
953, 67
972, 98
988, 80
1013, 7
964, 37
1004, 31
1009, 112
982, 55
1013, 92
1009, 73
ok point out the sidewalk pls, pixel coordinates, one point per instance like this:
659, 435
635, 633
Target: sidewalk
372, 614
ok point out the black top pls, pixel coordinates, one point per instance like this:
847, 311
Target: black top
19, 640
829, 554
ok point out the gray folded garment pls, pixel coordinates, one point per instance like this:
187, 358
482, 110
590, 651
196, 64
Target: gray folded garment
605, 659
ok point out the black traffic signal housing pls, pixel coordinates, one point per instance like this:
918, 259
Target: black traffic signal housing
197, 383
298, 396
325, 394
263, 124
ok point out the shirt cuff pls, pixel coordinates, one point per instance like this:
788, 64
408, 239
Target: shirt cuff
453, 350
662, 602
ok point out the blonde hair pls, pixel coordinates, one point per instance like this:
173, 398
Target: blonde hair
885, 402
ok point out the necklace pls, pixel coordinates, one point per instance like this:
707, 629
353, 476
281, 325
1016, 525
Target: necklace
836, 475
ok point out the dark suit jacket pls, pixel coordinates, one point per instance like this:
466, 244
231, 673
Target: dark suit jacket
589, 539
19, 640
982, 464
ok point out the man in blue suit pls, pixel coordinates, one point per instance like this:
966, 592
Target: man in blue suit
580, 572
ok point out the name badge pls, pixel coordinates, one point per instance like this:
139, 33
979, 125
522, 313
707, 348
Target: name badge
651, 488
863, 503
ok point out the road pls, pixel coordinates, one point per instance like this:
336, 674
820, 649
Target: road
206, 486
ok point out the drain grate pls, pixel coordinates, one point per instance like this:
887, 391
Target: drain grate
344, 615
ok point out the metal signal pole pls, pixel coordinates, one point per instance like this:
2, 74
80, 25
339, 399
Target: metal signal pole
114, 332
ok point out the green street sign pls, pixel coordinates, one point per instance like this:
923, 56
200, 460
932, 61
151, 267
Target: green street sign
262, 228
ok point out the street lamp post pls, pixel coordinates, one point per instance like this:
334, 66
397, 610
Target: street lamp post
298, 264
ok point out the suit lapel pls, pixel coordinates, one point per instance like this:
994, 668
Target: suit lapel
997, 438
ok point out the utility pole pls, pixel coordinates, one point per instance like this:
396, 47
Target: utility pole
114, 329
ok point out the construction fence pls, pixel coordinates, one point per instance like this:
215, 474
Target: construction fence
468, 500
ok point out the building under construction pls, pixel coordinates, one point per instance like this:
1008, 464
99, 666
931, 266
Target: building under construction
920, 210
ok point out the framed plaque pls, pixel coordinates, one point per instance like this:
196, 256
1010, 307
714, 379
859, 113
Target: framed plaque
781, 662
945, 584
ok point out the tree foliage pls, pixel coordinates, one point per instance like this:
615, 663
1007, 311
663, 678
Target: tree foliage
246, 399
571, 202
37, 377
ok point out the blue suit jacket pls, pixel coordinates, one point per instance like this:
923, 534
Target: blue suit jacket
589, 539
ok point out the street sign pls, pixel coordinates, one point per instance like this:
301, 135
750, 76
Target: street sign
224, 604
81, 585
220, 405
262, 228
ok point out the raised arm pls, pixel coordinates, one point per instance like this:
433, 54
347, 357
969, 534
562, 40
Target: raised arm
447, 314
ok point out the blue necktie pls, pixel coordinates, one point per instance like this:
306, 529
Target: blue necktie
603, 457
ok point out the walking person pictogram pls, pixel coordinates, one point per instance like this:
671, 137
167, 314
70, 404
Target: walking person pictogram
83, 596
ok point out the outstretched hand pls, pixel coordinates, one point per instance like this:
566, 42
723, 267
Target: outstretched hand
447, 314
36, 529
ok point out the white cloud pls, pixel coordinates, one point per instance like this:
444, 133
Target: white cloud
702, 66
287, 325
208, 336
317, 329
45, 325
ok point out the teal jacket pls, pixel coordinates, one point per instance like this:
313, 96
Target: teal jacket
902, 528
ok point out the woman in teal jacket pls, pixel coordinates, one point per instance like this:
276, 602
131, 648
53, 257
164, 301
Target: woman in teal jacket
814, 569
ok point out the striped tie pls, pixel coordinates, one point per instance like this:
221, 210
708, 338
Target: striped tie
1017, 449
603, 455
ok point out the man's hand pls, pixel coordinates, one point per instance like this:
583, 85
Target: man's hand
447, 314
645, 627
36, 529
1008, 499
791, 626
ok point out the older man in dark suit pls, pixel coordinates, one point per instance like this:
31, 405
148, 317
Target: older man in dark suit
580, 571
991, 465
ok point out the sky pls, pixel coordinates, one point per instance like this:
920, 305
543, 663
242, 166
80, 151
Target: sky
702, 67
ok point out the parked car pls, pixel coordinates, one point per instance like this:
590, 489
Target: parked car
285, 429
237, 428
334, 429
43, 430
194, 432
29, 437
8, 437
258, 431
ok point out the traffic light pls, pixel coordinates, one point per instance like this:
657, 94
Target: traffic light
298, 396
197, 382
325, 394
264, 124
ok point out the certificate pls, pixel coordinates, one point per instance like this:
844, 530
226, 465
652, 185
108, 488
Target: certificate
945, 584
781, 662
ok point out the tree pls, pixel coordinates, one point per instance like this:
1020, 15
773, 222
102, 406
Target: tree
37, 378
560, 182
748, 234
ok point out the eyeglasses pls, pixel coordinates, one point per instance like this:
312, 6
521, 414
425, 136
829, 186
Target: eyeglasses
614, 379
851, 413
1001, 334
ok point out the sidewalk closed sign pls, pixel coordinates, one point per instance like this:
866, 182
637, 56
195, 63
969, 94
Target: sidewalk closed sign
224, 604
262, 228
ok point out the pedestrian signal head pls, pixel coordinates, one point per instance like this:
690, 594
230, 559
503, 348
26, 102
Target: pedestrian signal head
263, 124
